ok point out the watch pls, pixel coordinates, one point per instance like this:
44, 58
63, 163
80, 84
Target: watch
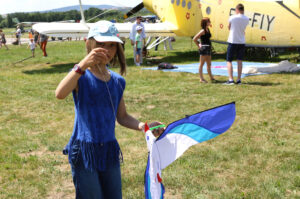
77, 69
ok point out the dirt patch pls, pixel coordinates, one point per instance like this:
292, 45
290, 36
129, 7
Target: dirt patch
39, 153
150, 106
168, 194
63, 190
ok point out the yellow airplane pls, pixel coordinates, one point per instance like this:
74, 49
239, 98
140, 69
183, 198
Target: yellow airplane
272, 23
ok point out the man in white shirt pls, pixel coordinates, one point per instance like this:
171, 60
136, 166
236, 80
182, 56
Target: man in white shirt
132, 37
18, 35
236, 42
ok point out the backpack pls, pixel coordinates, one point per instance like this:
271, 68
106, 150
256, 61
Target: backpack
165, 65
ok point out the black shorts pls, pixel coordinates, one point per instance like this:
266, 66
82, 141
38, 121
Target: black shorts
205, 50
237, 50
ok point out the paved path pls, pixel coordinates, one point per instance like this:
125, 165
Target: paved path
9, 41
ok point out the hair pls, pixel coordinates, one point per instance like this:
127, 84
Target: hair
0, 30
119, 56
204, 22
139, 17
240, 7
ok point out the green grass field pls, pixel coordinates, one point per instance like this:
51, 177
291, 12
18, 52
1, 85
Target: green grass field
259, 157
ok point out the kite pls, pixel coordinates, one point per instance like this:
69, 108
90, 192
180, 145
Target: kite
177, 138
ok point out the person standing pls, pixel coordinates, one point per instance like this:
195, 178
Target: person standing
132, 37
236, 42
18, 35
43, 42
32, 46
138, 44
94, 152
36, 38
2, 39
204, 48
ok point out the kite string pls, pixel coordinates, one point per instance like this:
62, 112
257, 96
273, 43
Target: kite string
109, 93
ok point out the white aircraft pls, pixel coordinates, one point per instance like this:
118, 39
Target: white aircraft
273, 23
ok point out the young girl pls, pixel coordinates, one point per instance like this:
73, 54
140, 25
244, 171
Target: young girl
94, 153
204, 48
2, 39
32, 46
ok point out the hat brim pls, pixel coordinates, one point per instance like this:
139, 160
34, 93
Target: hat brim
99, 38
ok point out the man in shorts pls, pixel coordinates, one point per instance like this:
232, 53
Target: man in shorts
236, 42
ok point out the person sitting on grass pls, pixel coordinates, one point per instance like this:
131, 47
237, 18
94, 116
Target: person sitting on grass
202, 40
138, 44
32, 46
94, 152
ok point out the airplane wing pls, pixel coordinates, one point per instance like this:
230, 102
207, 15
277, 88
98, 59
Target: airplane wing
82, 29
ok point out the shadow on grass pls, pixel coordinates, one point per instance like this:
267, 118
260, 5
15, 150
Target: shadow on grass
249, 83
193, 57
55, 68
261, 83
173, 57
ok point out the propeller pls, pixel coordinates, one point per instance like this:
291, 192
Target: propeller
134, 10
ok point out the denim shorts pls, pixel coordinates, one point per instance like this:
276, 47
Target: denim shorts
138, 51
237, 50
205, 50
90, 184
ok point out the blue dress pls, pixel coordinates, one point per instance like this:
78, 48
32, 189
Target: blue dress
96, 108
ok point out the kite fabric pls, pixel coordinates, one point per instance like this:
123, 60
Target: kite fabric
177, 138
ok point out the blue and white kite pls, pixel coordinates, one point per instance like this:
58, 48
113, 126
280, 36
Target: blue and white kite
177, 138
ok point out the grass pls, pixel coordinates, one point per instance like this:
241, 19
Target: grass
259, 157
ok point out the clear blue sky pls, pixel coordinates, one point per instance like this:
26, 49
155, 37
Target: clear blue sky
10, 6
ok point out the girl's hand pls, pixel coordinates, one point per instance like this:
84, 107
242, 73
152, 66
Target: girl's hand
96, 56
156, 132
199, 45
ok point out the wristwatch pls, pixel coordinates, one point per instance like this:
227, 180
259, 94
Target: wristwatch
77, 69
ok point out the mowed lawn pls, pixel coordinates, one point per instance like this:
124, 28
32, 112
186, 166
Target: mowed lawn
259, 157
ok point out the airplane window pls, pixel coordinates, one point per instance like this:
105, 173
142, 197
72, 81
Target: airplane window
172, 1
178, 2
189, 5
208, 10
183, 3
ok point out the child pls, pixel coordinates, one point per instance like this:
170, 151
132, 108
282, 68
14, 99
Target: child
2, 39
138, 44
32, 46
94, 152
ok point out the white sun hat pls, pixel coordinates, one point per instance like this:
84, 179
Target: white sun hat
139, 28
104, 31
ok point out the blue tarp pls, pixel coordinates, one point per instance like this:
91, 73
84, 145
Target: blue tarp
218, 68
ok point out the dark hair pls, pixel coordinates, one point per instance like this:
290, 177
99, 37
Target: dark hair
204, 22
139, 17
240, 7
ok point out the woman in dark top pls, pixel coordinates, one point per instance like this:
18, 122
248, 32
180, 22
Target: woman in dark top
204, 46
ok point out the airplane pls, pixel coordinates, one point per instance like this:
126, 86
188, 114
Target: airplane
273, 23
31, 23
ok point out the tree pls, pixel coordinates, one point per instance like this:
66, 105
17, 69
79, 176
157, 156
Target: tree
9, 21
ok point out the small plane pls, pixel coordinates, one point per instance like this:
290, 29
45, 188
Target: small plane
31, 23
272, 23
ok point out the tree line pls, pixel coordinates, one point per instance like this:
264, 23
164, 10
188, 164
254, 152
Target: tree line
12, 19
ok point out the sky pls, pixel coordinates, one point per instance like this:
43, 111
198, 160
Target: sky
11, 6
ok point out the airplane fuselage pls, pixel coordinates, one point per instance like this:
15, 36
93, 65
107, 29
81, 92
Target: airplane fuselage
271, 24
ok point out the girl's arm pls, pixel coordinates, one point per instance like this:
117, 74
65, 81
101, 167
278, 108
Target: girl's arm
69, 83
128, 121
197, 36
